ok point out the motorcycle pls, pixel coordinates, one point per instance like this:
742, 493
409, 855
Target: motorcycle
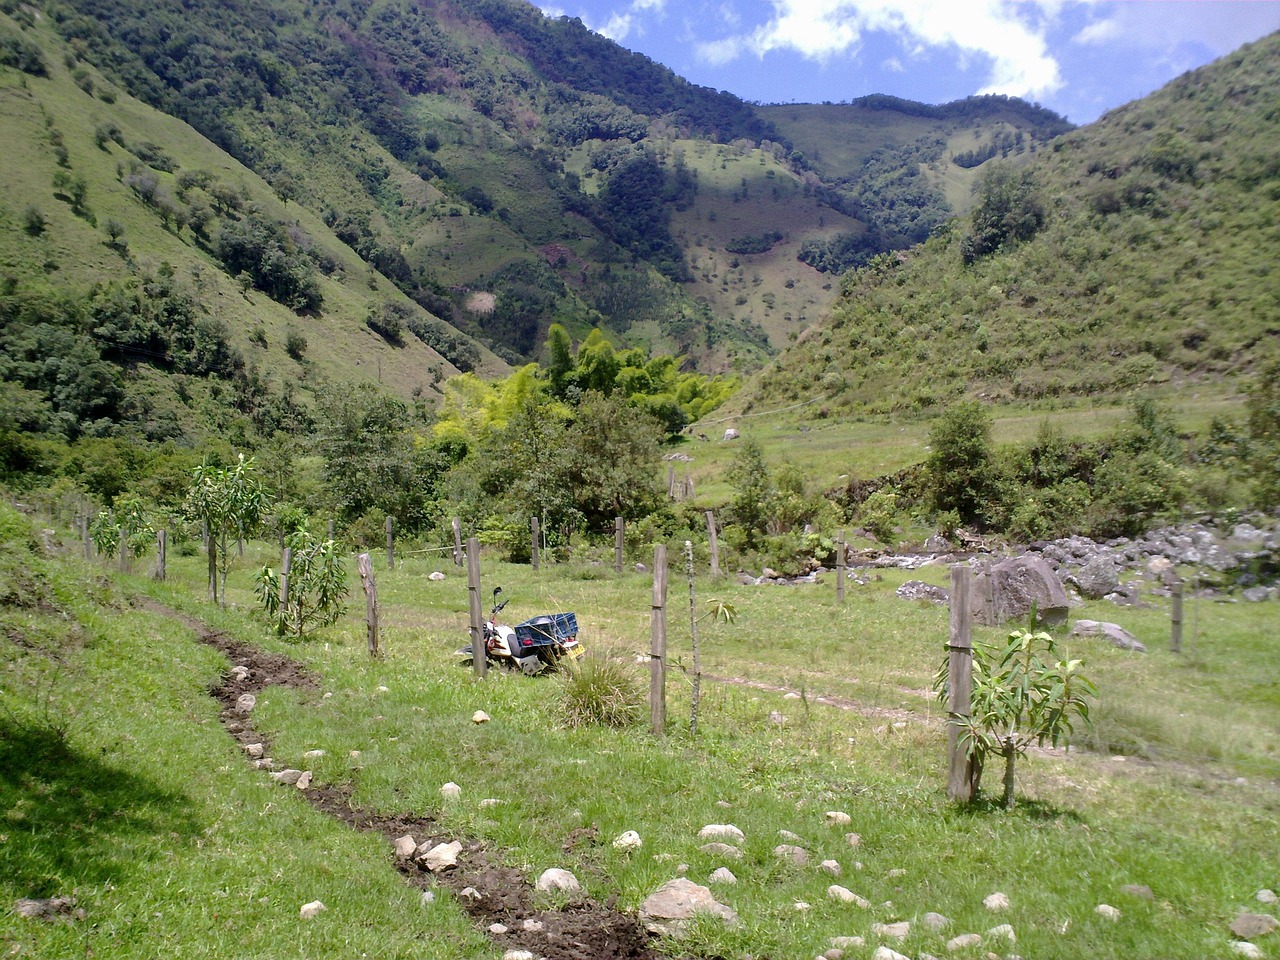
532, 646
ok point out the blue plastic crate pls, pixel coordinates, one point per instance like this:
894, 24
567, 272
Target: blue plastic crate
546, 630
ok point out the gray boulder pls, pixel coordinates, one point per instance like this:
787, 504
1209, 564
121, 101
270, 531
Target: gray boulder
1097, 578
1007, 590
1117, 634
919, 590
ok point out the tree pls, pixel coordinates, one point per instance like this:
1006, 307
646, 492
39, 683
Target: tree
959, 466
1021, 696
1008, 209
231, 501
612, 447
752, 489
1263, 408
317, 587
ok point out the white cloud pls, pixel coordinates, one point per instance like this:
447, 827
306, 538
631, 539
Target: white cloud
616, 27
894, 65
1011, 36
1101, 31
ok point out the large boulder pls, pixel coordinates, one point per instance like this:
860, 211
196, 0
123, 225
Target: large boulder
669, 909
1097, 578
1117, 634
1007, 591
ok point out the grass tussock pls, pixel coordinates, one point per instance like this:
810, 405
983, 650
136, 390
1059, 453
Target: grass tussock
601, 689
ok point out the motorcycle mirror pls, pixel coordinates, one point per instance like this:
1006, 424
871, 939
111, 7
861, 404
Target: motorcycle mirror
496, 591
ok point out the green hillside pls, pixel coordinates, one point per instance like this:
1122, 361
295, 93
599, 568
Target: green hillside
1135, 253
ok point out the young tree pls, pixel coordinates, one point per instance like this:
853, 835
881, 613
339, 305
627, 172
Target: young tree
959, 466
752, 489
231, 501
316, 589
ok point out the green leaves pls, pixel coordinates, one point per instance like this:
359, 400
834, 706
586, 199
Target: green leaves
317, 587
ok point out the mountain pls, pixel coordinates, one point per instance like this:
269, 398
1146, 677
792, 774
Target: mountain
1136, 252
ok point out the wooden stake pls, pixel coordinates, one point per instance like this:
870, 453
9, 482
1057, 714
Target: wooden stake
840, 566
212, 550
286, 565
714, 543
391, 544
619, 530
961, 774
457, 542
658, 643
365, 566
477, 615
535, 536
1175, 617
162, 552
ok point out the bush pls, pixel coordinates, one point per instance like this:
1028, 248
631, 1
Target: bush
879, 515
600, 689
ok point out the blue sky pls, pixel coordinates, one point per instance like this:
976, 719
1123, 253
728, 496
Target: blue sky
1078, 57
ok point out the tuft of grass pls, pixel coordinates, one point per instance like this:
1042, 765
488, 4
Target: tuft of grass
601, 689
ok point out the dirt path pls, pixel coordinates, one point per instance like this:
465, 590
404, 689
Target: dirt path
498, 898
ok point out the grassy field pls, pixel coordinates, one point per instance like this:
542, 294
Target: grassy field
173, 845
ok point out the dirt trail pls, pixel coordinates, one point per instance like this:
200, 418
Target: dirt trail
494, 894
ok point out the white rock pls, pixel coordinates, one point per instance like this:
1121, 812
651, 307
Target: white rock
892, 931
723, 875
440, 857
963, 942
628, 841
884, 953
240, 673
428, 896
288, 777
721, 850
479, 717
489, 802
532, 926
518, 955
451, 791
1266, 896
246, 702
936, 921
304, 781
471, 893
266, 763
435, 575
1004, 930
845, 895
668, 909
853, 839
312, 754
996, 901
254, 750
498, 929
383, 689
1247, 949
1108, 911
832, 867
312, 909
844, 943
791, 695
406, 847
682, 869
790, 837
354, 754
837, 818
802, 905
558, 879
721, 831
724, 804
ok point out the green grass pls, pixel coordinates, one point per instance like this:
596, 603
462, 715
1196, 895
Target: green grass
214, 838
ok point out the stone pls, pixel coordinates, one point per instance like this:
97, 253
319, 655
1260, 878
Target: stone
1159, 566
853, 839
519, 955
288, 777
788, 836
451, 791
1138, 890
254, 750
835, 953
1097, 577
405, 847
721, 850
50, 908
1118, 635
304, 781
895, 873
963, 942
313, 754
723, 875
802, 906
832, 867
498, 929
1246, 949
1266, 896
844, 943
556, 879
731, 434
1249, 926
892, 931
630, 840
1107, 911
470, 893
721, 831
919, 590
428, 896
532, 926
668, 909
440, 857
837, 818
479, 717
936, 921
435, 575
312, 909
845, 895
996, 901
884, 953
245, 702
777, 719
789, 851
1256, 594
1007, 590
1004, 931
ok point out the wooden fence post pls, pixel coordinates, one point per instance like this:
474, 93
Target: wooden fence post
535, 535
212, 549
365, 566
658, 643
1175, 617
960, 769
391, 544
88, 540
457, 542
841, 574
619, 538
162, 552
286, 565
713, 543
671, 481
477, 615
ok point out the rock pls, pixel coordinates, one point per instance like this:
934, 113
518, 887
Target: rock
1107, 911
721, 831
837, 818
479, 717
628, 841
470, 893
844, 943
254, 750
682, 869
963, 942
845, 895
835, 953
1266, 896
498, 929
1159, 566
304, 781
1097, 577
996, 901
731, 434
558, 879
288, 777
892, 931
1138, 890
641, 568
853, 839
313, 754
532, 926
896, 872
936, 921
488, 802
884, 953
788, 836
435, 575
1246, 949
919, 590
1117, 634
789, 851
1250, 926
519, 955
312, 909
777, 719
1007, 590
451, 791
440, 857
832, 867
245, 702
768, 573
405, 847
721, 850
1256, 594
723, 875
668, 909
802, 905
1004, 931
428, 896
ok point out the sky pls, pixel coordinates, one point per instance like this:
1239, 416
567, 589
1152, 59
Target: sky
1077, 57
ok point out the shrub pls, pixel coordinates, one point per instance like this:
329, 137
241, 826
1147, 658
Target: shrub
879, 514
600, 689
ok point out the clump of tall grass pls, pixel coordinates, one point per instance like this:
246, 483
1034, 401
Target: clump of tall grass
600, 689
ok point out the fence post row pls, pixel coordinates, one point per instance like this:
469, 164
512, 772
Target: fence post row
477, 616
658, 643
960, 769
